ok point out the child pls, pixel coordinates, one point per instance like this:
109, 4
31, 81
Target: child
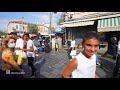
84, 65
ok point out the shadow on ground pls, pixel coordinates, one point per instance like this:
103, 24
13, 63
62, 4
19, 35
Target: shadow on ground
107, 66
37, 66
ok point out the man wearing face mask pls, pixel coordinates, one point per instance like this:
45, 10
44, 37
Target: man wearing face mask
10, 69
18, 44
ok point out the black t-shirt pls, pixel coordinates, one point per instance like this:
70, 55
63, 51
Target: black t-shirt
25, 46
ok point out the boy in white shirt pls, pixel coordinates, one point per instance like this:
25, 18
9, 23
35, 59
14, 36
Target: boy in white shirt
19, 45
29, 49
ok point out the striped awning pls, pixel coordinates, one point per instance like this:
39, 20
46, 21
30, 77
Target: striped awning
110, 24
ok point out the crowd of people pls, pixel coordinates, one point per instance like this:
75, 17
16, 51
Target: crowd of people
13, 45
56, 43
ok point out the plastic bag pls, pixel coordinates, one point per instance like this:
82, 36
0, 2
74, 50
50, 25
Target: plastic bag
23, 55
35, 48
56, 45
73, 53
21, 58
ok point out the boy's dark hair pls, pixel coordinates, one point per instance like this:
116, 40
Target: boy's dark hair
26, 34
90, 35
19, 36
14, 33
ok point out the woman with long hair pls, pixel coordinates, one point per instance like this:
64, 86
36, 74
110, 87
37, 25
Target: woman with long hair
10, 68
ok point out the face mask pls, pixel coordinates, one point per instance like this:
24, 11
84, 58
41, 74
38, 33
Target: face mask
12, 45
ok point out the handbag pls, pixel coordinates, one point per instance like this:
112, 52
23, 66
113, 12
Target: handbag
73, 52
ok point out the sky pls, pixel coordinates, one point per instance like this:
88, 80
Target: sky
33, 17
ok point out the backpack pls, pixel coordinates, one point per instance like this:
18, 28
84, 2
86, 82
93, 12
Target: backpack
40, 49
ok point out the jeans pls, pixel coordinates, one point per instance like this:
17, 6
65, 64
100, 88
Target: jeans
117, 66
69, 51
97, 60
30, 63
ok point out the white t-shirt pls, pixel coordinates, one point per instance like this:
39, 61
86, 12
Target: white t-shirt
0, 40
29, 44
72, 43
19, 44
86, 67
56, 40
119, 47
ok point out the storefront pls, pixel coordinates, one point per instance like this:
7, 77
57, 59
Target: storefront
111, 28
106, 24
78, 29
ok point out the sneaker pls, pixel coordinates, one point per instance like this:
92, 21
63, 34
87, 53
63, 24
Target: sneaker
34, 72
97, 64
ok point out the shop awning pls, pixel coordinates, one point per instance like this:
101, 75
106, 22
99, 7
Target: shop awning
76, 24
110, 24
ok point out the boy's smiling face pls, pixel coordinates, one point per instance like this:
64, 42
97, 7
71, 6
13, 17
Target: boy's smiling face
90, 46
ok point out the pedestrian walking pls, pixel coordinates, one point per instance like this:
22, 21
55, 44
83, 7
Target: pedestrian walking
43, 44
113, 47
72, 47
29, 49
84, 64
59, 42
18, 44
40, 41
0, 41
3, 40
117, 65
56, 43
69, 43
